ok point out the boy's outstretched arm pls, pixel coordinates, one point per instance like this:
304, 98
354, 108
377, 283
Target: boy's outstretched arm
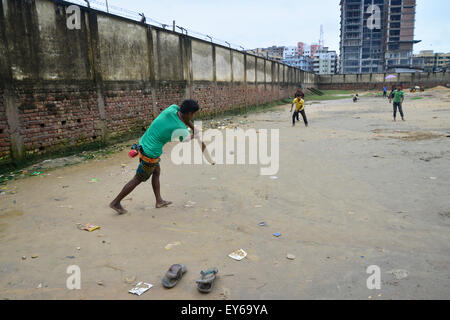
195, 135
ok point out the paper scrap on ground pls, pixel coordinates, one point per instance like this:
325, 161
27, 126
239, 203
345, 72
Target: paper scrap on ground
190, 204
171, 245
141, 288
399, 274
88, 227
238, 255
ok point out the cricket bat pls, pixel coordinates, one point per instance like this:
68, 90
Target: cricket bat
207, 155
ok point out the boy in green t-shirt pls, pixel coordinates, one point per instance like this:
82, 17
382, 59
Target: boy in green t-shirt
173, 120
398, 96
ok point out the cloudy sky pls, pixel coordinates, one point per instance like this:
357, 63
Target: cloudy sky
263, 23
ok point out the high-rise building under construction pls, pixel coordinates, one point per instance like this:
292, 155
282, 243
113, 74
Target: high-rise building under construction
377, 35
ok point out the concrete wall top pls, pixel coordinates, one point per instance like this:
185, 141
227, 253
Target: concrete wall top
223, 64
170, 65
260, 70
39, 44
123, 50
275, 72
238, 67
42, 47
269, 71
62, 53
377, 77
202, 61
251, 69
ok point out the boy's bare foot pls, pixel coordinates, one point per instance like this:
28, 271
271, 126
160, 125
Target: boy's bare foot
118, 208
163, 204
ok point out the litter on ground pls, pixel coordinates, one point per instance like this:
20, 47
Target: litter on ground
171, 245
88, 227
141, 288
238, 255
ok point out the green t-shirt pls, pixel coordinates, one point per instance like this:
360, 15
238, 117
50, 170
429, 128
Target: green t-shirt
163, 128
398, 95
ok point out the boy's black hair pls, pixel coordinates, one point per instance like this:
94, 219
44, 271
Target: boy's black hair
189, 106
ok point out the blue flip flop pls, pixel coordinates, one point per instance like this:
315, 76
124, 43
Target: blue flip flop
206, 283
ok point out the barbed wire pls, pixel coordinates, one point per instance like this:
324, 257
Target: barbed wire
133, 15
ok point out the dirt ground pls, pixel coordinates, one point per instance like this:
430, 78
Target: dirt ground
354, 189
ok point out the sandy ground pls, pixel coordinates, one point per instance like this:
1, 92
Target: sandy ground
354, 189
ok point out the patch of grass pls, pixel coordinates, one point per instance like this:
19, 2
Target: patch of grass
326, 97
373, 94
417, 98
336, 92
86, 150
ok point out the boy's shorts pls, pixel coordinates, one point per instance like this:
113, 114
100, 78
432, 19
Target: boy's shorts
146, 170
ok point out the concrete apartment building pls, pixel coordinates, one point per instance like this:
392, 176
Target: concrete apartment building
311, 58
290, 52
429, 61
273, 53
305, 63
377, 36
325, 61
276, 53
307, 50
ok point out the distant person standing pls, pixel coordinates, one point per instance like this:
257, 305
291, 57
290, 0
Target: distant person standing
398, 96
391, 95
300, 92
384, 92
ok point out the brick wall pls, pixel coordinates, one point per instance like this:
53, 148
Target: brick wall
203, 92
224, 96
239, 95
168, 93
74, 87
128, 107
252, 95
55, 116
5, 145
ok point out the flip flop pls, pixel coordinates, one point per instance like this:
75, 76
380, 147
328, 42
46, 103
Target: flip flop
174, 275
206, 283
